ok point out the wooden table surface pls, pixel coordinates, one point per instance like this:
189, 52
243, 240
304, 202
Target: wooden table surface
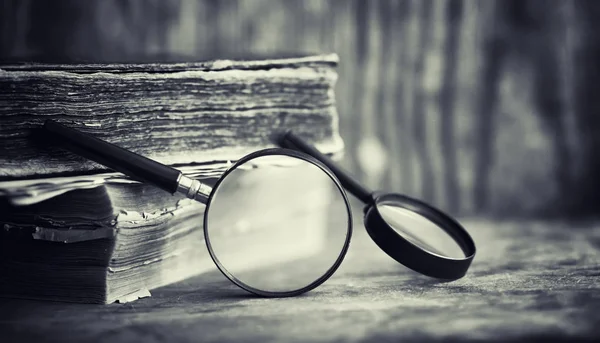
530, 280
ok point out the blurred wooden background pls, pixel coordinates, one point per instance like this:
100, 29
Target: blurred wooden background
478, 106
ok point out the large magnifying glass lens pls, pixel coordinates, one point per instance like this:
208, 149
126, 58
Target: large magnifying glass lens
278, 225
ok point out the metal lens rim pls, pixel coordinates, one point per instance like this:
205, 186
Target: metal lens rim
322, 278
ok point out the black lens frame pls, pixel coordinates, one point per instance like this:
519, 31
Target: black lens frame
329, 272
411, 255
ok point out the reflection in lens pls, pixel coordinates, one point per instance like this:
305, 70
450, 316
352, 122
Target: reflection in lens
277, 227
420, 231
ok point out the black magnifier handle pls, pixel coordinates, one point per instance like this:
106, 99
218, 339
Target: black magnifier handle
127, 162
292, 141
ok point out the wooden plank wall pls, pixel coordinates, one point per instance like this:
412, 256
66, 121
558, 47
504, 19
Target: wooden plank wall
476, 106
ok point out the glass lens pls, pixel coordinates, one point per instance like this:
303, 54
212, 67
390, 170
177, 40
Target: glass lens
419, 230
277, 223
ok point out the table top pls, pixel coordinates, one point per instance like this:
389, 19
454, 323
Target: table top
529, 280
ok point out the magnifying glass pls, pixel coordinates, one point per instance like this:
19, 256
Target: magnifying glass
277, 223
412, 232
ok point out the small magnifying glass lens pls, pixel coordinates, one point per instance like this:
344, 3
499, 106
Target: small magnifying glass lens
419, 230
277, 225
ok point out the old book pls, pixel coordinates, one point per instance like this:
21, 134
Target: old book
75, 231
174, 113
